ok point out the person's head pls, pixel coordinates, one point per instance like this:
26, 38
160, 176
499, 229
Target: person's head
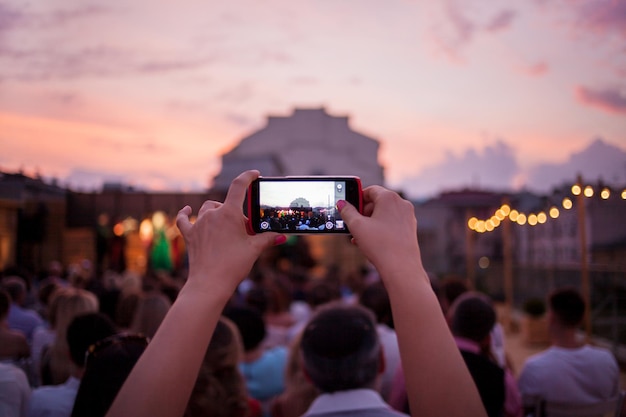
47, 288
108, 364
472, 317
322, 292
220, 389
449, 290
16, 287
84, 331
376, 298
250, 323
566, 307
340, 348
126, 308
151, 311
67, 303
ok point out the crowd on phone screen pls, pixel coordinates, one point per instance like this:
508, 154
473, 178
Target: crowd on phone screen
69, 340
295, 220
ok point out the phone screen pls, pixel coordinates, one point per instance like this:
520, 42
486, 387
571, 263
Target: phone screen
301, 205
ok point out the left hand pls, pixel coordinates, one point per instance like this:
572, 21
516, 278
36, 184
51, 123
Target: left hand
220, 250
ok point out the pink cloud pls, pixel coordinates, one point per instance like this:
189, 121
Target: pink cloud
537, 69
604, 16
609, 100
501, 21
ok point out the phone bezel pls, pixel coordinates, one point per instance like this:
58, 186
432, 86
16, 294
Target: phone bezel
354, 195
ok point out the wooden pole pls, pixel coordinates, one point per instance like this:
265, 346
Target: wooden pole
469, 252
508, 267
584, 266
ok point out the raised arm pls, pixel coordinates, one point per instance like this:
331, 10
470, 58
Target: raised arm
437, 380
221, 253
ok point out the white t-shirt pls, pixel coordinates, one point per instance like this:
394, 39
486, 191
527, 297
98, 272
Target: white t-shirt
575, 376
14, 391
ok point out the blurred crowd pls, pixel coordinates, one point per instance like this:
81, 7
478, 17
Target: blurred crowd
69, 338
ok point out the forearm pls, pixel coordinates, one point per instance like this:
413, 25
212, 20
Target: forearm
437, 380
162, 380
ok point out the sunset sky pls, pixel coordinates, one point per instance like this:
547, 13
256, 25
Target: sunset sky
468, 92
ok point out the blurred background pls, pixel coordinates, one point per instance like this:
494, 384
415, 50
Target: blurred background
486, 115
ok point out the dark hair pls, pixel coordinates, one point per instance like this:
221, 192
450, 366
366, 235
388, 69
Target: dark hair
376, 298
85, 330
568, 306
473, 317
451, 288
322, 292
15, 286
250, 323
340, 348
108, 364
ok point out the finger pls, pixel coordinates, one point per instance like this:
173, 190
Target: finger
238, 188
208, 205
265, 240
349, 213
372, 193
182, 220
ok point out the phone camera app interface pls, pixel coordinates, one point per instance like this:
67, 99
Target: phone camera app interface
301, 206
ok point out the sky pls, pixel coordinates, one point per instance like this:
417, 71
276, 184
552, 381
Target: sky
282, 194
459, 93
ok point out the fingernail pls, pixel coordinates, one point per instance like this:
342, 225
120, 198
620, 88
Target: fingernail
341, 204
280, 239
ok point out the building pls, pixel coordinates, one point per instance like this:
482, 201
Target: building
32, 221
308, 142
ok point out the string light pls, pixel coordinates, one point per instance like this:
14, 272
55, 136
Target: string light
554, 212
605, 193
542, 218
506, 212
567, 203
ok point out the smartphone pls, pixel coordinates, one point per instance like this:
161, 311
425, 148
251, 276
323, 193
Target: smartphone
301, 205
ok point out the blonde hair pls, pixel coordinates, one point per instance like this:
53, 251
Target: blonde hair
220, 389
150, 312
65, 305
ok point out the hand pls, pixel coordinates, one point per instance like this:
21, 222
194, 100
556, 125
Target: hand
387, 230
218, 244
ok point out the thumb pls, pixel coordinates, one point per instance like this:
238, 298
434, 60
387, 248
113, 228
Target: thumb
267, 240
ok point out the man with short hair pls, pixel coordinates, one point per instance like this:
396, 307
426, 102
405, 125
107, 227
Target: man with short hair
20, 318
569, 371
342, 356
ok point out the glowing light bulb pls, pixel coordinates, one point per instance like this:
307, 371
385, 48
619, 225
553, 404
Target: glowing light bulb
496, 221
513, 215
567, 203
576, 190
505, 210
605, 194
521, 219
588, 191
480, 226
499, 215
532, 219
471, 223
542, 218
624, 195
554, 212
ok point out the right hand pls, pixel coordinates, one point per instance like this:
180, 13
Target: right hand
386, 232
